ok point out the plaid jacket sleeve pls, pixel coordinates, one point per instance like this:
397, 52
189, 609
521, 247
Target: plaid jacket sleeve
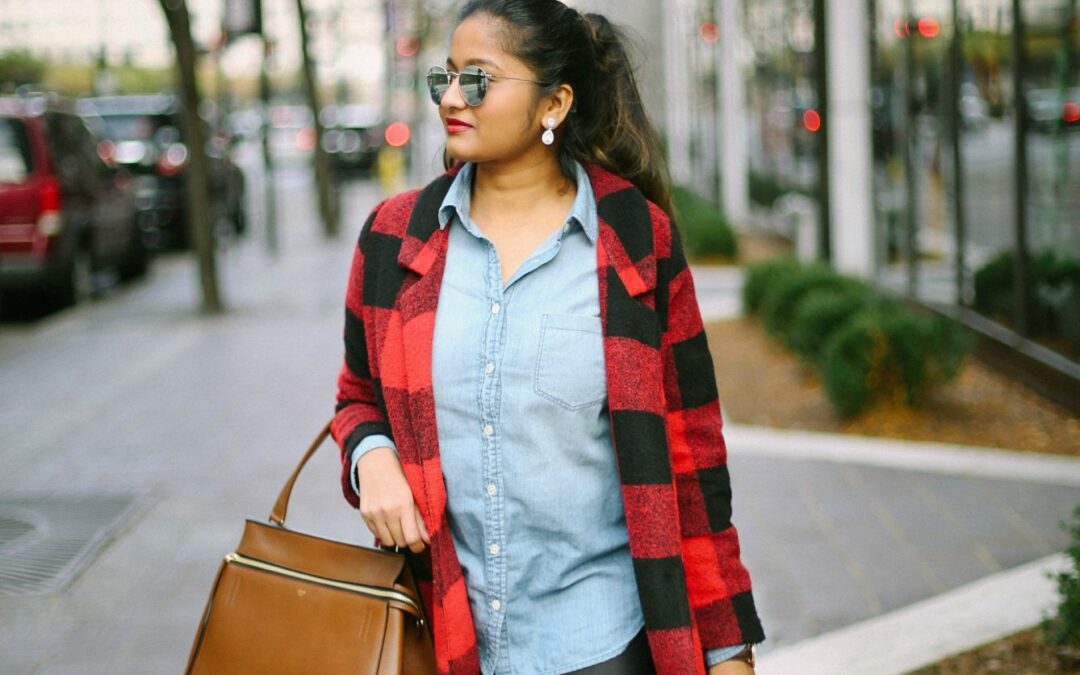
360, 411
717, 582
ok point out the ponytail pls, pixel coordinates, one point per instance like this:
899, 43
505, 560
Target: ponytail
607, 124
620, 136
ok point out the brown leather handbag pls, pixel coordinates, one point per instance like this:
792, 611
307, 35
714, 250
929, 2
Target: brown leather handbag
287, 602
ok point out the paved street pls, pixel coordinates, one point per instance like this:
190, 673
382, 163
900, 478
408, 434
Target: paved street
165, 429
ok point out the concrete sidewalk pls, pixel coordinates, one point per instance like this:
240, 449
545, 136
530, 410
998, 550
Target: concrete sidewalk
170, 428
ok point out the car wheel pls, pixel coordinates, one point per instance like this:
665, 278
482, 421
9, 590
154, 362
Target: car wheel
135, 262
239, 220
77, 283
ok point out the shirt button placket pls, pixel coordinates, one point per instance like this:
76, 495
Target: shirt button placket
493, 523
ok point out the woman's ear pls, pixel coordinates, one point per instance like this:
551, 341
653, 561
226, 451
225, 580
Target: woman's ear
559, 103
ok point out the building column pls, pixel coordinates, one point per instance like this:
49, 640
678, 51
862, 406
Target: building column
734, 150
676, 122
850, 153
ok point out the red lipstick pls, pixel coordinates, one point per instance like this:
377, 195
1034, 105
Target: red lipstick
456, 126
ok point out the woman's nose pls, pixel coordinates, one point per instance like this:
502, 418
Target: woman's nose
452, 97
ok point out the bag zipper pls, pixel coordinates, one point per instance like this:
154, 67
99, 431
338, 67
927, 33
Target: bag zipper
363, 589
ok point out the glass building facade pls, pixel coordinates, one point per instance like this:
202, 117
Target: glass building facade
975, 145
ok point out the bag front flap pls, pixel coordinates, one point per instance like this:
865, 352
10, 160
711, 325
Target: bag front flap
322, 557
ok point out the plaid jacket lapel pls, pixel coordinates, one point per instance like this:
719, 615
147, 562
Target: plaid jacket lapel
409, 339
627, 266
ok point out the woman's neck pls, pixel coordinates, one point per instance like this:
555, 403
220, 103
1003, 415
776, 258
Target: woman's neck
520, 186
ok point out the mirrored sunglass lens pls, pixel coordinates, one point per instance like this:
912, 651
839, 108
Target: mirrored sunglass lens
438, 83
473, 83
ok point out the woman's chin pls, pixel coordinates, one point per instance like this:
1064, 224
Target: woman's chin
462, 152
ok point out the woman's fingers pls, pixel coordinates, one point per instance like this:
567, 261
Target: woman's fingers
394, 525
411, 531
384, 534
424, 536
386, 501
400, 526
371, 526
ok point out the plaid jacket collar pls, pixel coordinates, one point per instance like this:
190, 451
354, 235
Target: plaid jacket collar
625, 230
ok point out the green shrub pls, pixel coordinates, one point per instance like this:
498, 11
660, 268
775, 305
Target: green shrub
821, 311
1051, 293
1064, 627
1069, 319
852, 361
762, 277
865, 345
778, 307
705, 230
765, 189
949, 346
889, 352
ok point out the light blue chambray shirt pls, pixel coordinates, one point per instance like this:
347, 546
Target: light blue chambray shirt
533, 493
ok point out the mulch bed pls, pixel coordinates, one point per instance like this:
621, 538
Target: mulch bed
1020, 654
761, 383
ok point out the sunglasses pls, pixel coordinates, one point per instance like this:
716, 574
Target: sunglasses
473, 81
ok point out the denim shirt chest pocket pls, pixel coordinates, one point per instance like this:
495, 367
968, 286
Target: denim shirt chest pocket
570, 361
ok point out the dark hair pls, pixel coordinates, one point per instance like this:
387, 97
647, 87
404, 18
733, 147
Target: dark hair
607, 123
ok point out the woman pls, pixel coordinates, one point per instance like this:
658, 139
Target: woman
528, 403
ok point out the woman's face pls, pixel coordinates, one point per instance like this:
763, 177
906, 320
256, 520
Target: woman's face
507, 123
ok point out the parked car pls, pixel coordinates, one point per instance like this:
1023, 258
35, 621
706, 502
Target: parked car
292, 133
1050, 111
353, 136
65, 214
146, 136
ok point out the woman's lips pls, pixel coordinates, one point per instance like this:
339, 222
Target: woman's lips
454, 126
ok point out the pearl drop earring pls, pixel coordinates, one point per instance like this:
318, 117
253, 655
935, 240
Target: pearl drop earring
549, 136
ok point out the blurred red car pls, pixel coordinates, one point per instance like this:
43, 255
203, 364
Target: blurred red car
65, 215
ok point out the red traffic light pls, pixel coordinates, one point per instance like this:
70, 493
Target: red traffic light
710, 31
1070, 112
811, 119
929, 27
397, 134
407, 45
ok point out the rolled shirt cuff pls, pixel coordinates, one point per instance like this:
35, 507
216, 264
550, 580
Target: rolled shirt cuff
367, 445
715, 656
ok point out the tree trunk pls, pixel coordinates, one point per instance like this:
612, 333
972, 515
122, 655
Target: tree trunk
328, 205
200, 225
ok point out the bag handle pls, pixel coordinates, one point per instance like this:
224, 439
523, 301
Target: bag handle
277, 516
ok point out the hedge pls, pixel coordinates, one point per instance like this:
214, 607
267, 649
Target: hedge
704, 229
865, 346
1053, 294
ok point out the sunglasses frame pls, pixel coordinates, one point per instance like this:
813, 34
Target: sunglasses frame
481, 86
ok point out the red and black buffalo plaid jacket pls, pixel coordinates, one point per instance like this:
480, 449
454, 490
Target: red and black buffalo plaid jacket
665, 418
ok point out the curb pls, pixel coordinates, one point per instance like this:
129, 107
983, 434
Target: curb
945, 458
929, 630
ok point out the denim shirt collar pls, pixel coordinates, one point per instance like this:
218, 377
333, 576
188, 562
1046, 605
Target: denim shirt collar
457, 201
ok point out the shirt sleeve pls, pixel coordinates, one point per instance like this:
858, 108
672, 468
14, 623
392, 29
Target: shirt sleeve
715, 656
367, 445
717, 582
360, 410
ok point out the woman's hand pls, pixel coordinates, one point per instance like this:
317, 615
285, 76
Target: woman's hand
386, 501
732, 667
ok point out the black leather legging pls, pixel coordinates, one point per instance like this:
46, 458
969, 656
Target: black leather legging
636, 659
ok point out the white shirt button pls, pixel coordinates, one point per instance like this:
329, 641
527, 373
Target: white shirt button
496, 605
492, 489
488, 429
495, 308
489, 368
494, 548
